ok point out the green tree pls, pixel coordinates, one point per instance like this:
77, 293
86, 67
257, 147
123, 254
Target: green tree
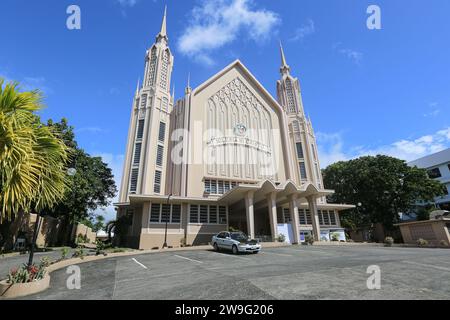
32, 156
99, 223
91, 187
383, 185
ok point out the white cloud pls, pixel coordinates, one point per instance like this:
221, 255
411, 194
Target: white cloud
216, 23
435, 110
331, 147
127, 3
351, 54
305, 30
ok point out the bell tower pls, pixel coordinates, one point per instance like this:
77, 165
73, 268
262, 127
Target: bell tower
148, 137
301, 134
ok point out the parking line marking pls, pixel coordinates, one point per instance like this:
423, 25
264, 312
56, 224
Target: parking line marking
278, 254
175, 255
139, 263
232, 256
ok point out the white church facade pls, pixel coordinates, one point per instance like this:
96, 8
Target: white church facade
225, 156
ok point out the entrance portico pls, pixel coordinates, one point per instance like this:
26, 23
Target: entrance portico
270, 195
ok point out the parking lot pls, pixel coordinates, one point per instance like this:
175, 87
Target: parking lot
297, 272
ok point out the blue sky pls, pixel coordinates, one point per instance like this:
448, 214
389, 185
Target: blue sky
366, 91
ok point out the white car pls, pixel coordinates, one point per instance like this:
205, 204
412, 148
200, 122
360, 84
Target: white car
235, 241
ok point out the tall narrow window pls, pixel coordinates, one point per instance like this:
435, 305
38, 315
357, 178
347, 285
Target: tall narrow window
144, 101
193, 213
162, 131
220, 187
332, 217
290, 96
203, 214
302, 167
155, 212
302, 216
299, 150
212, 214
222, 215
207, 186
159, 155
308, 216
286, 215
140, 130
165, 213
157, 185
320, 217
176, 213
152, 68
134, 179
326, 218
137, 153
213, 187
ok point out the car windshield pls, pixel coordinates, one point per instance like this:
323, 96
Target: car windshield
239, 236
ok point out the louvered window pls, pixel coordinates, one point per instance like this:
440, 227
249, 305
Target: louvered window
134, 179
159, 155
137, 153
157, 185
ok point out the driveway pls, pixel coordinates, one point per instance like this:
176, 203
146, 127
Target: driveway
297, 272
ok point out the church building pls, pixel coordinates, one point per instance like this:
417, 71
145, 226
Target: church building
226, 156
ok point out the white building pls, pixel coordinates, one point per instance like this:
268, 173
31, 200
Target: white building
438, 168
227, 153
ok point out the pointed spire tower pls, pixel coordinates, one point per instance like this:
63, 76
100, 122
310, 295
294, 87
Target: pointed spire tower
285, 69
303, 141
288, 89
145, 170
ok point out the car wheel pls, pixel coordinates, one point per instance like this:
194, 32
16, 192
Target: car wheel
235, 249
255, 252
216, 247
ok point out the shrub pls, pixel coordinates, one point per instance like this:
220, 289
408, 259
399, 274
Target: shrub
309, 240
100, 247
79, 253
25, 273
388, 241
422, 242
443, 243
64, 252
281, 238
45, 262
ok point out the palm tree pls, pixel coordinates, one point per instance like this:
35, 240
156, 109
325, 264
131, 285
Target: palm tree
32, 156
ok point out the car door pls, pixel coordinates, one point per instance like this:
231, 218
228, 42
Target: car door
228, 243
220, 240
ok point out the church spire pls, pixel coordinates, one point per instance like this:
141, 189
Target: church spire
163, 32
188, 88
285, 69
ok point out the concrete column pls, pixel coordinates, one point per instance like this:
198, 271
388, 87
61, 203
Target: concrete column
249, 208
293, 209
272, 207
312, 202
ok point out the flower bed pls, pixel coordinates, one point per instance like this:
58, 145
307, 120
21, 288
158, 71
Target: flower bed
25, 280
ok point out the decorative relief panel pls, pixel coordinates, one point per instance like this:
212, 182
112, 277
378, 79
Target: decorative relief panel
240, 141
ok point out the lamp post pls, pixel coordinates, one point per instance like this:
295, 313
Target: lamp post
167, 220
71, 172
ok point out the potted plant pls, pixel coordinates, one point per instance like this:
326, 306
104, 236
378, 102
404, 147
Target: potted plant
281, 238
422, 242
309, 239
26, 280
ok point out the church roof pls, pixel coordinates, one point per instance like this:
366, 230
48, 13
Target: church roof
237, 63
